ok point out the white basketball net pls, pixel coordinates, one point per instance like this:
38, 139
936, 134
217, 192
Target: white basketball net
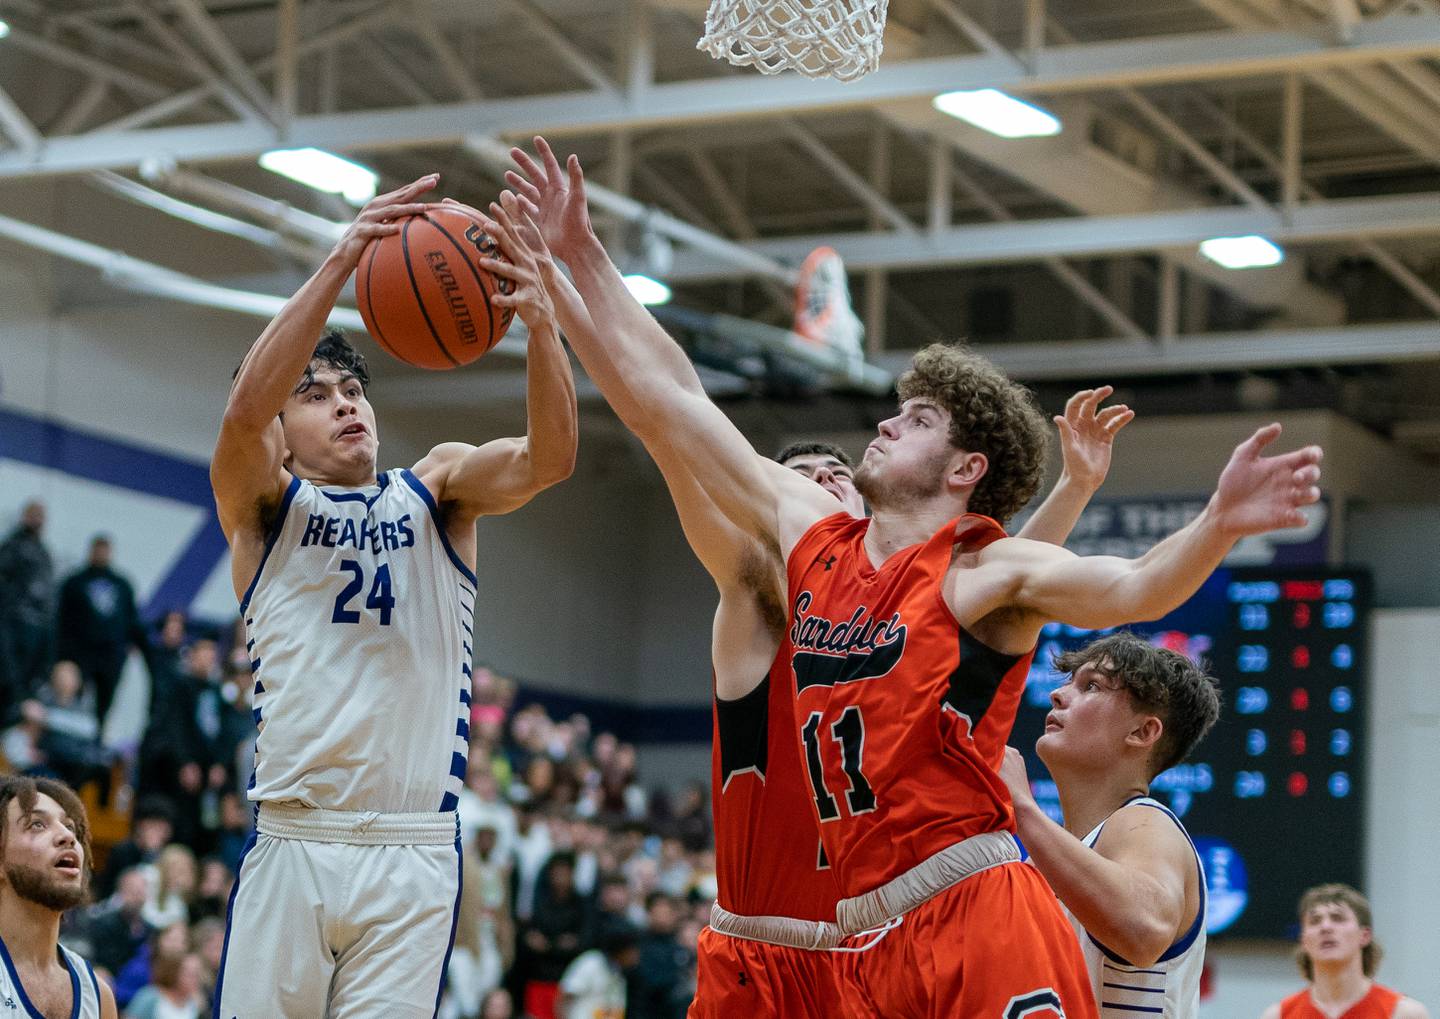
819, 38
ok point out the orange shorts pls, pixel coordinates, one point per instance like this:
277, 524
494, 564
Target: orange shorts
737, 978
994, 946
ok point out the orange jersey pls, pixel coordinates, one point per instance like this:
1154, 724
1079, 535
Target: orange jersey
902, 715
1379, 1003
767, 845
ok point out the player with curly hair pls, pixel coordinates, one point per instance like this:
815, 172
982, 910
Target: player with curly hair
909, 634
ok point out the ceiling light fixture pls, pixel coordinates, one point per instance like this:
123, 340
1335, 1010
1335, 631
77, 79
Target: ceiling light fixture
324, 171
994, 111
1249, 252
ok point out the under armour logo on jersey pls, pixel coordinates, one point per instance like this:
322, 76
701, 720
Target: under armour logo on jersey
741, 979
1039, 1004
825, 562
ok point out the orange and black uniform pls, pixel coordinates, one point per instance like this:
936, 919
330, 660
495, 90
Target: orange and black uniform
767, 865
1379, 1003
902, 718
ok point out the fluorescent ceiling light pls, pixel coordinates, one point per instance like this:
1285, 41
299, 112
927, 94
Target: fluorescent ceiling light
646, 290
4, 29
994, 111
323, 171
1247, 252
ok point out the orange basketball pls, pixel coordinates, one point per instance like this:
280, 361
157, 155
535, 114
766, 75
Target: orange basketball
424, 298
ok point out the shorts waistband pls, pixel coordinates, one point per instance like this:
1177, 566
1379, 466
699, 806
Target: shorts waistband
927, 879
812, 935
357, 827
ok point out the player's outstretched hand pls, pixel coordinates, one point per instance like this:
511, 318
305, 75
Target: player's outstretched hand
1087, 433
529, 297
381, 216
553, 196
1266, 493
1013, 774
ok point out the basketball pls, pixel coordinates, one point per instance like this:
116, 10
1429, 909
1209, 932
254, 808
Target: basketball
423, 295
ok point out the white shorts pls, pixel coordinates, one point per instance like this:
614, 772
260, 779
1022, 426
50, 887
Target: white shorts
340, 915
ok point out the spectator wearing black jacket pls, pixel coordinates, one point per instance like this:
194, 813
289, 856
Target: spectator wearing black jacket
99, 624
559, 929
175, 753
27, 609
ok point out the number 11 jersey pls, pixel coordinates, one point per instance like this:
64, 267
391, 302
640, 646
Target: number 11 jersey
902, 715
358, 624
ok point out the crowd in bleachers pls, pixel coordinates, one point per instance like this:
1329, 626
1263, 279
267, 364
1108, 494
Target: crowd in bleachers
575, 878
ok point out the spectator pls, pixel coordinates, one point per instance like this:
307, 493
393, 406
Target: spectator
213, 895
118, 929
615, 909
27, 609
498, 1005
174, 991
692, 817
208, 938
151, 830
21, 742
70, 739
164, 654
234, 831
98, 624
173, 941
593, 986
558, 931
177, 881
174, 753
533, 846
480, 805
657, 985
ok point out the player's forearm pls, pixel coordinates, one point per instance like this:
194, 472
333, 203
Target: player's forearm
274, 363
1116, 905
627, 354
552, 419
1164, 577
1059, 513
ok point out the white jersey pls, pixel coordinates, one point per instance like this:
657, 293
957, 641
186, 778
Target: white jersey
358, 625
15, 1003
1168, 989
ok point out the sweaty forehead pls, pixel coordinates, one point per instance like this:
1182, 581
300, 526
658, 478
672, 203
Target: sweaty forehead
44, 806
324, 375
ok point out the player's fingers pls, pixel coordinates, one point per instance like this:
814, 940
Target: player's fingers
1262, 438
1307, 475
1092, 401
1072, 405
527, 165
547, 158
501, 267
523, 186
1108, 415
577, 176
418, 186
1120, 420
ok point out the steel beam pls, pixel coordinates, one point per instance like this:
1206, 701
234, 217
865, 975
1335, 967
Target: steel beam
1112, 359
1093, 236
1070, 68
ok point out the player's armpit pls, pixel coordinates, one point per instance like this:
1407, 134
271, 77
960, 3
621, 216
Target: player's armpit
247, 476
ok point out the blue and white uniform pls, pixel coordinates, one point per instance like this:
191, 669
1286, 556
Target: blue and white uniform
358, 624
1167, 989
16, 1004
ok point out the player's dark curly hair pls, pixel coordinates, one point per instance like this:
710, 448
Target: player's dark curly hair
811, 448
989, 414
334, 350
1162, 682
26, 789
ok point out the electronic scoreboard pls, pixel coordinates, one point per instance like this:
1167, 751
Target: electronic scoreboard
1274, 795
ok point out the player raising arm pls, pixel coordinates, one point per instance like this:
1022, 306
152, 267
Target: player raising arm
358, 592
909, 634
